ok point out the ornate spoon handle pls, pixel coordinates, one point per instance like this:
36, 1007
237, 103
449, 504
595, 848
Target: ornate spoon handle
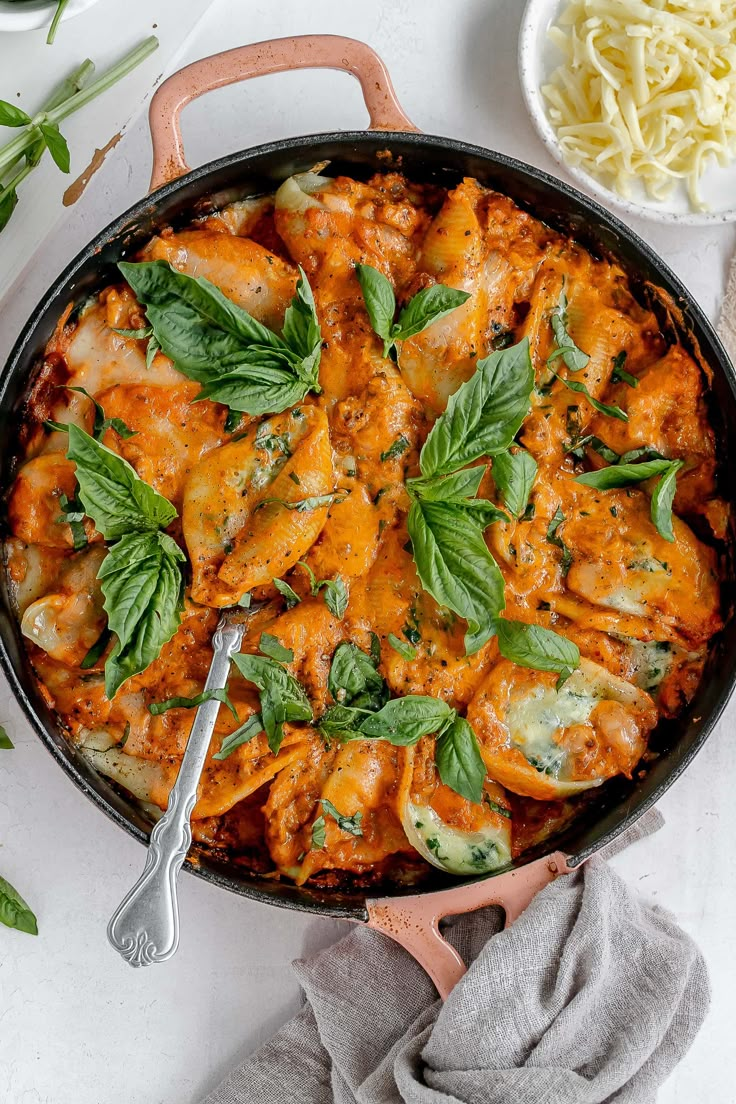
145, 926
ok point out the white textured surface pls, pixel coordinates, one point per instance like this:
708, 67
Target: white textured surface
77, 1025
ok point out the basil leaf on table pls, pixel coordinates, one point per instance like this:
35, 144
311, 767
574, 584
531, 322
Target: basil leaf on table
514, 474
8, 203
221, 695
239, 361
455, 566
459, 761
241, 735
350, 824
282, 697
56, 145
113, 494
273, 648
427, 306
484, 415
5, 742
572, 356
536, 647
12, 116
403, 721
14, 912
143, 588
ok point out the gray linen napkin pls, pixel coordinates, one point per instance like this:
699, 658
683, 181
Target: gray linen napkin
591, 996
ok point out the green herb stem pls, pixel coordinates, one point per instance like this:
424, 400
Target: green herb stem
55, 21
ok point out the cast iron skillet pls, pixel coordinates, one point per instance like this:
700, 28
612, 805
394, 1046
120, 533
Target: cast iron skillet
409, 916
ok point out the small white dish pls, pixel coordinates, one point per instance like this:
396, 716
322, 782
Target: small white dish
537, 58
37, 13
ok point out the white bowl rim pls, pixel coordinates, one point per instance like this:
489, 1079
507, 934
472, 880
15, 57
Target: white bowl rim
37, 13
535, 106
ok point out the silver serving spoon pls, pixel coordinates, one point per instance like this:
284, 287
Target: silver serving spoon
145, 926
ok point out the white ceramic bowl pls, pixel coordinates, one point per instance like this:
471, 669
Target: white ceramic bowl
537, 58
37, 13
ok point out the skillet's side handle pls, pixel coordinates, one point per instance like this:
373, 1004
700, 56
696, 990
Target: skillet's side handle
414, 921
257, 60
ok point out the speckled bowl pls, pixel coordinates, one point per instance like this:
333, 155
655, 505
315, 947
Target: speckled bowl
537, 58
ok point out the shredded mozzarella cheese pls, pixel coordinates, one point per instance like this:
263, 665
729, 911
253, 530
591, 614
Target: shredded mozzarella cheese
647, 91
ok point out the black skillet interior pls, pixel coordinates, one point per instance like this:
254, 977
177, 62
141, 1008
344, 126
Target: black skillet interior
425, 159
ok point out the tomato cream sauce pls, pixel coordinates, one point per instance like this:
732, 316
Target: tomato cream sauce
641, 609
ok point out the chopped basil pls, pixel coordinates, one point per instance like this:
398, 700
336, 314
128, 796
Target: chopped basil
398, 448
282, 697
602, 408
404, 650
350, 824
619, 372
221, 695
573, 357
243, 734
318, 834
553, 538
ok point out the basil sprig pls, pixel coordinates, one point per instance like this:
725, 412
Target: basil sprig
282, 697
239, 361
14, 912
141, 576
625, 474
446, 522
364, 712
427, 306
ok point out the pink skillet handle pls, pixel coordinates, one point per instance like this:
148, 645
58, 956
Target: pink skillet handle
257, 60
414, 921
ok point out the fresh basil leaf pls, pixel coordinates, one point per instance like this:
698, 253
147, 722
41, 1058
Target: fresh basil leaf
7, 205
245, 600
427, 306
645, 452
242, 735
12, 116
398, 448
619, 372
350, 824
304, 505
14, 912
403, 721
662, 499
288, 592
152, 348
404, 650
514, 474
239, 361
602, 408
604, 451
459, 761
455, 566
536, 647
484, 415
136, 335
622, 475
318, 834
221, 695
96, 651
143, 588
336, 596
271, 442
114, 496
273, 648
282, 698
73, 515
375, 649
352, 673
5, 742
573, 357
314, 584
341, 722
553, 538
56, 145
380, 301
301, 331
449, 488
